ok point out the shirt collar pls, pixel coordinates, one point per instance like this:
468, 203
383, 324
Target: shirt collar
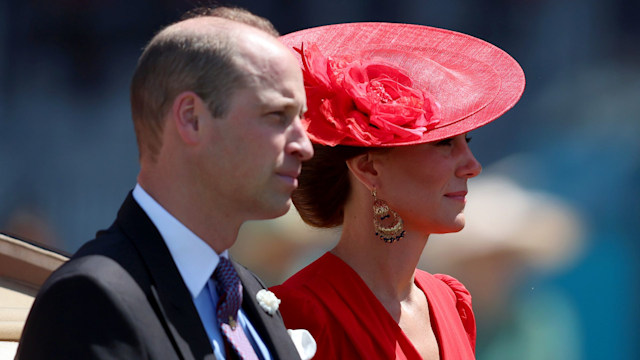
194, 258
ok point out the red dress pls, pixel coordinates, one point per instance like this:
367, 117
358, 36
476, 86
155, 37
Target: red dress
329, 299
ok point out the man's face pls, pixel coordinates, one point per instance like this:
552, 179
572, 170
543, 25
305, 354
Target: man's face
253, 155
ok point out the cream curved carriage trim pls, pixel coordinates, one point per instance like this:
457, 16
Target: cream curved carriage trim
23, 269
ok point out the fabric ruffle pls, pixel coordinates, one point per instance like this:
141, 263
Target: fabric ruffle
463, 304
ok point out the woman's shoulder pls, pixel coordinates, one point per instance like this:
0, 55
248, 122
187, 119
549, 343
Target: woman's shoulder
303, 303
458, 294
307, 275
445, 283
460, 291
291, 294
301, 291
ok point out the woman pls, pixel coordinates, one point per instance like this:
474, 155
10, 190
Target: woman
390, 106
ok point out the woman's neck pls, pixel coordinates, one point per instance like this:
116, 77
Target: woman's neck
387, 268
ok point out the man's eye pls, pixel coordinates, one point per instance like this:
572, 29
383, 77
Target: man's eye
282, 118
278, 116
468, 138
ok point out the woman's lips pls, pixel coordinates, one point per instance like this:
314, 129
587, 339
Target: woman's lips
458, 195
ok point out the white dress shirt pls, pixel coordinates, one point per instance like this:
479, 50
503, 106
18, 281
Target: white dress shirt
196, 262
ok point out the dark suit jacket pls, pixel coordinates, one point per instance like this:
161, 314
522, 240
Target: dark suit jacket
121, 297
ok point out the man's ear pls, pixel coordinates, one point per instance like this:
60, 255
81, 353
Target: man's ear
363, 168
184, 113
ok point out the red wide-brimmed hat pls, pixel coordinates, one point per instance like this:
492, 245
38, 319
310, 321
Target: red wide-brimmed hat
388, 84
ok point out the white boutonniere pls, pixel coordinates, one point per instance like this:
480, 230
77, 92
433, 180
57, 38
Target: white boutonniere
268, 301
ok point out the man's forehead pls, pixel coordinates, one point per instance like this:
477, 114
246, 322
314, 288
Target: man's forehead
261, 55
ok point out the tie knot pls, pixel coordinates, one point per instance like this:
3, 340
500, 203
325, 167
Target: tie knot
230, 291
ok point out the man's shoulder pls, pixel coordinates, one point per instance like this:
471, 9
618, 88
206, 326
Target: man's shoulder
109, 259
110, 242
100, 295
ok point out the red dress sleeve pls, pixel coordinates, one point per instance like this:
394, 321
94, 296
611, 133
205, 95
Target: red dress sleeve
463, 304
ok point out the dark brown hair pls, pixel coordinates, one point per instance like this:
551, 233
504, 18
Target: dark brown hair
323, 185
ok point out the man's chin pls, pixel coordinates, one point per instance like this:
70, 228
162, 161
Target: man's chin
275, 211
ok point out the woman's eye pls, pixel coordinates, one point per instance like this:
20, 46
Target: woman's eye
449, 141
445, 142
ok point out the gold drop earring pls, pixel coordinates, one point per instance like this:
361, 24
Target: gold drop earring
387, 223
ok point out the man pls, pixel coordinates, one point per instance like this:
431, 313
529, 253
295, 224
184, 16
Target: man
216, 105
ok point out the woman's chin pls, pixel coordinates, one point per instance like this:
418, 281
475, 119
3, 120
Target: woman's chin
452, 227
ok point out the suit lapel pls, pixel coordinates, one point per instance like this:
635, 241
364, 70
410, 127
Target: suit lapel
173, 301
270, 327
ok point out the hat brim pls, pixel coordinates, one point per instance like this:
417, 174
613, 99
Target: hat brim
474, 81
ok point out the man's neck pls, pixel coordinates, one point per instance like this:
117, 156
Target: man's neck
216, 228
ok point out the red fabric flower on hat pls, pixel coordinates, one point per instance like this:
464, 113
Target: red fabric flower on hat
363, 102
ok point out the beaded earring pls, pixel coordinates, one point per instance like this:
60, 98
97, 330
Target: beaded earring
387, 223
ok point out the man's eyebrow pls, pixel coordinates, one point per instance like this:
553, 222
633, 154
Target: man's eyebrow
284, 102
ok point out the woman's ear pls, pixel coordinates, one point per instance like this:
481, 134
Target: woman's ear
363, 168
185, 116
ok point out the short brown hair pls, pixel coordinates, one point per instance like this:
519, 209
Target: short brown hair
178, 60
323, 185
235, 14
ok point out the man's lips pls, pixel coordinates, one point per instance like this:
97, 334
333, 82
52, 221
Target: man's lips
290, 176
290, 173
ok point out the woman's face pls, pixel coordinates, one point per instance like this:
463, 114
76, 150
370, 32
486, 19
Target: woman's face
427, 183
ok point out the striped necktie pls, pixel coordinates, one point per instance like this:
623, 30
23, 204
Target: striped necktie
230, 291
